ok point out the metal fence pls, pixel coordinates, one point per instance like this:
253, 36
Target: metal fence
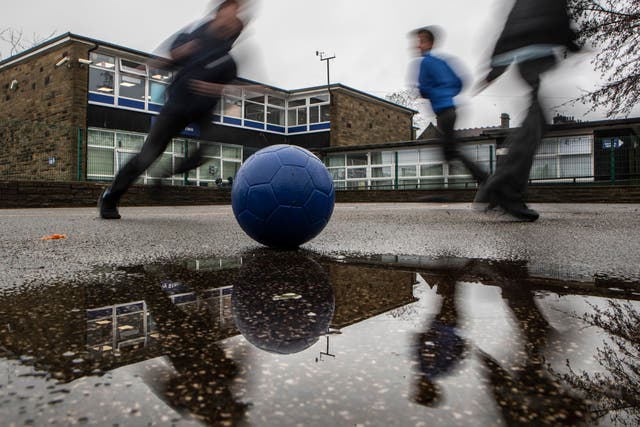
39, 150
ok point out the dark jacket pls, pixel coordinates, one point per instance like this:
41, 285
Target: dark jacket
536, 22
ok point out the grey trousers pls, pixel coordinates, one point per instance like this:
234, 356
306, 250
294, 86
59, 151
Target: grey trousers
512, 172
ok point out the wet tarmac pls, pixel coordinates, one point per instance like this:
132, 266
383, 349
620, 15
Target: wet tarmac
465, 331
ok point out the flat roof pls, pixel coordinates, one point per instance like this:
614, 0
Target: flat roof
41, 47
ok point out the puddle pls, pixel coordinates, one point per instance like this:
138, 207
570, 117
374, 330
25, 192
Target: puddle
295, 338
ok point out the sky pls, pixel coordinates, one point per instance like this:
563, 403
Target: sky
369, 39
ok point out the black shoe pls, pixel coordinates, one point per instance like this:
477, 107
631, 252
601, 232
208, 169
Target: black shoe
520, 211
107, 206
488, 198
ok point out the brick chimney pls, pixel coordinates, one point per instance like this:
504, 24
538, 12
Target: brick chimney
504, 120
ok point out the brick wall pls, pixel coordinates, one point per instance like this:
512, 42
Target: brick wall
41, 194
357, 120
39, 120
50, 194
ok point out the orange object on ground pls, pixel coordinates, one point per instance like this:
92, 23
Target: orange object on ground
54, 237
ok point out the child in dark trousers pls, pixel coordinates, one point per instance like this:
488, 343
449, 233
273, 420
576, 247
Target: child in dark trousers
439, 83
530, 39
205, 67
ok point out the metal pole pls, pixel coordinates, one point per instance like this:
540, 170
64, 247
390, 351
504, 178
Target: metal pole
328, 59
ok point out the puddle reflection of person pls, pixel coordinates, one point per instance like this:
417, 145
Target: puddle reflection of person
201, 381
528, 394
440, 348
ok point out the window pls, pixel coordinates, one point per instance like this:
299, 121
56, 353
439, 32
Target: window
108, 151
97, 138
275, 116
102, 61
129, 141
131, 86
232, 106
133, 67
381, 172
318, 99
275, 100
101, 81
544, 168
430, 170
407, 171
297, 116
100, 162
382, 157
333, 160
408, 156
564, 157
254, 106
253, 111
318, 113
158, 82
229, 152
357, 159
157, 92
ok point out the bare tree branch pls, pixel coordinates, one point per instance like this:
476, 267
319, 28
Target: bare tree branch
17, 43
611, 27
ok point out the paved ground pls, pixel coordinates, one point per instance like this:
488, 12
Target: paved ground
585, 238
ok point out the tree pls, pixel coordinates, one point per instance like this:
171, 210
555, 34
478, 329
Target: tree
410, 98
612, 27
17, 42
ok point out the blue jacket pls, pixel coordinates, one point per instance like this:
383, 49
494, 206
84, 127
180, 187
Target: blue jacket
438, 82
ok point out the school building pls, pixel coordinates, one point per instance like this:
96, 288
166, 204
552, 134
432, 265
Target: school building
75, 109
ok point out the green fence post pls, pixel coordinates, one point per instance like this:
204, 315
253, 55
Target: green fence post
395, 181
79, 174
491, 154
185, 174
612, 160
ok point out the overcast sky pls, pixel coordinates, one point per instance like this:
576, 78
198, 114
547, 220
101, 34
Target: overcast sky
368, 38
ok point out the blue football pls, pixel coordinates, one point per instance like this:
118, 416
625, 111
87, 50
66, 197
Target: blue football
283, 196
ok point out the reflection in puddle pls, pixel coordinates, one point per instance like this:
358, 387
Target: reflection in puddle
289, 338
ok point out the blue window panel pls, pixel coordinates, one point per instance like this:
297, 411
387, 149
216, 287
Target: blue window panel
103, 99
255, 125
275, 128
129, 308
217, 118
181, 299
99, 313
296, 129
123, 102
232, 121
320, 126
155, 107
227, 291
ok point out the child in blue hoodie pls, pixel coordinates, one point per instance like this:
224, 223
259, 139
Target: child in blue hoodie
439, 83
